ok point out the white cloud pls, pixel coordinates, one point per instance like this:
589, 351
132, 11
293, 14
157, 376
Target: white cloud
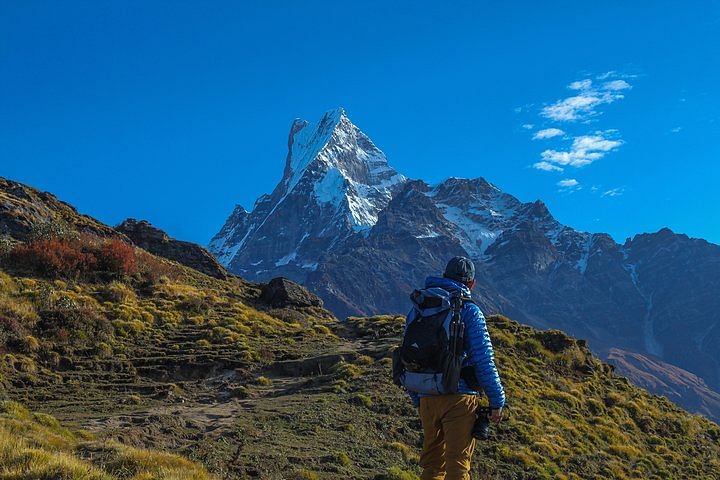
615, 74
571, 108
613, 192
585, 103
568, 182
616, 85
595, 142
676, 129
548, 133
606, 75
548, 167
528, 126
585, 150
523, 108
581, 84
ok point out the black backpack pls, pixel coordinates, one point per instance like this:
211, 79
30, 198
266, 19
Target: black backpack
429, 360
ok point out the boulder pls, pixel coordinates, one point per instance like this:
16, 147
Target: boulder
281, 292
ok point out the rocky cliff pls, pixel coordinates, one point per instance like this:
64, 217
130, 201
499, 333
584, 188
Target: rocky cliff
156, 241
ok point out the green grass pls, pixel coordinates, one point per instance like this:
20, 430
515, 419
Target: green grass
79, 350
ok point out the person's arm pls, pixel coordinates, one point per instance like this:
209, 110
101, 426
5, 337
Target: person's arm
482, 358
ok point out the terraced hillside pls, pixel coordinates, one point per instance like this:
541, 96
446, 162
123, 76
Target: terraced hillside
199, 367
35, 446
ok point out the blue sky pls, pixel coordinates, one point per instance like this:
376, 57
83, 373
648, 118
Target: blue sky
174, 111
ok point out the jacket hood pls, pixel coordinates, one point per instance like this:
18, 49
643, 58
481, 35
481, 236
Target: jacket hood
447, 284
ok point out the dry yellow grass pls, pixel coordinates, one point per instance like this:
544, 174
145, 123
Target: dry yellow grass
34, 446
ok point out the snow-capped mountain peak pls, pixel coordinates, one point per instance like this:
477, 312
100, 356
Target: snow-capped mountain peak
335, 178
335, 142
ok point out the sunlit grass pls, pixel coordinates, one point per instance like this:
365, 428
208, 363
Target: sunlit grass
36, 446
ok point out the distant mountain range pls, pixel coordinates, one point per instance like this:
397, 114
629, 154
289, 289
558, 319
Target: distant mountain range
343, 222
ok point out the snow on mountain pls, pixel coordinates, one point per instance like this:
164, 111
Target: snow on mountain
478, 209
339, 181
335, 183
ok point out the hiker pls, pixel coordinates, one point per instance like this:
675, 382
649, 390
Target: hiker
445, 362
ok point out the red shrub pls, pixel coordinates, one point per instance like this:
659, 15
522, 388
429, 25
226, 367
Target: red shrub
116, 258
53, 258
83, 257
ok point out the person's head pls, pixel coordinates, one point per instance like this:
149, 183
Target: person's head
461, 269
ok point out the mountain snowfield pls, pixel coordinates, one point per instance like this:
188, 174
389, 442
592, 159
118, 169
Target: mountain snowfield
343, 222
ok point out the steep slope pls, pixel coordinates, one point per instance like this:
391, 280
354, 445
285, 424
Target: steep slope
334, 184
679, 279
662, 378
25, 212
281, 395
530, 266
155, 241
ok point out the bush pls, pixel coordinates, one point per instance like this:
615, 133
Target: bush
52, 230
365, 360
239, 392
116, 258
407, 452
6, 246
81, 257
53, 258
343, 459
117, 292
77, 326
347, 371
361, 399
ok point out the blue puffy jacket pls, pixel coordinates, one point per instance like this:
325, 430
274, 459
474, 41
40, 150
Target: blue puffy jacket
478, 348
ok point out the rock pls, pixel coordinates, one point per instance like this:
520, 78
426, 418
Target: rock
311, 366
556, 341
157, 242
281, 292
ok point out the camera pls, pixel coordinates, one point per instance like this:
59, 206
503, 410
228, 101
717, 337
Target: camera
481, 429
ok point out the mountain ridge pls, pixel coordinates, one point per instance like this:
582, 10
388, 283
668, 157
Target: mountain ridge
529, 266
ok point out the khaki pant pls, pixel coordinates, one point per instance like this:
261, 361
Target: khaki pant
448, 444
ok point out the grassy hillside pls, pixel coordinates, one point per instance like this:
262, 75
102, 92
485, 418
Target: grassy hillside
146, 356
568, 415
198, 366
